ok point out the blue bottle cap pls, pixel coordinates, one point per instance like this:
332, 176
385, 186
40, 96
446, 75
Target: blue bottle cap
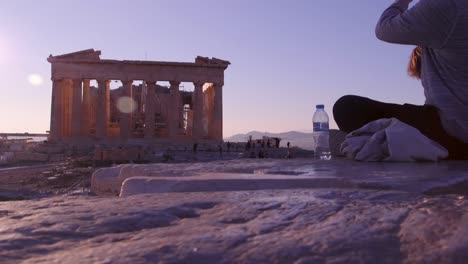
320, 106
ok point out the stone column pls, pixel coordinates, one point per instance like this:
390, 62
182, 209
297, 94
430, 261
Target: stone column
150, 113
76, 108
86, 118
67, 107
173, 120
103, 110
56, 111
197, 132
126, 117
217, 128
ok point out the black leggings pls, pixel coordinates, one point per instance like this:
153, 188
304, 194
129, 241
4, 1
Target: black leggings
352, 112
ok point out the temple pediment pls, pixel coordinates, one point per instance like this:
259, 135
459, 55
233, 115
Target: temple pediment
88, 54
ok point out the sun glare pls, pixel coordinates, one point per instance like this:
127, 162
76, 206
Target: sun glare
35, 79
126, 105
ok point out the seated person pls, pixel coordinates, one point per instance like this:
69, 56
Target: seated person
439, 29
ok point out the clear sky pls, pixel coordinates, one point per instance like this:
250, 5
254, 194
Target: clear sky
287, 55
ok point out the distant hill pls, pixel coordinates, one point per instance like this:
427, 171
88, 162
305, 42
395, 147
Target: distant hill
300, 139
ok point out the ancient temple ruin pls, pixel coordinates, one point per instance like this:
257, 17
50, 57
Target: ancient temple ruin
140, 110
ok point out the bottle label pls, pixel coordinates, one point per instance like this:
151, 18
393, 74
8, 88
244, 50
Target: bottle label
318, 126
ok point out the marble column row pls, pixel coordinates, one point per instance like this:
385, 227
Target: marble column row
215, 127
71, 111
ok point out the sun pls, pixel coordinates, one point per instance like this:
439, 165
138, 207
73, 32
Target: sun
35, 79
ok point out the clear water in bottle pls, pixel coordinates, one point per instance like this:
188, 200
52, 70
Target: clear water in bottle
321, 135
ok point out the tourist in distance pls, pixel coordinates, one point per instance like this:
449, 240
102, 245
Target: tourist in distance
439, 29
277, 142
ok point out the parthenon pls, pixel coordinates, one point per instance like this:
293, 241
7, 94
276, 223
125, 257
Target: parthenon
142, 112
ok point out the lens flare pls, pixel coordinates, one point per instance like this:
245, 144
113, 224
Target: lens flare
35, 79
126, 105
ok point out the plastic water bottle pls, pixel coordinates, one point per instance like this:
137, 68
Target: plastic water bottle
321, 133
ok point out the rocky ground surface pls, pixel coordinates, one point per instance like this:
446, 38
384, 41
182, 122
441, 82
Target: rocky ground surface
359, 213
26, 181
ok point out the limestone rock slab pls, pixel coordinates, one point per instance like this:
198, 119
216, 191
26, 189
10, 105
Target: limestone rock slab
410, 177
217, 182
108, 181
104, 181
272, 226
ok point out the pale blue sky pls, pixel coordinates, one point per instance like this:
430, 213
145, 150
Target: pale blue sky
287, 56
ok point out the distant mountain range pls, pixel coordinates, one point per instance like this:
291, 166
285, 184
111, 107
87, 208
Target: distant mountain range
300, 139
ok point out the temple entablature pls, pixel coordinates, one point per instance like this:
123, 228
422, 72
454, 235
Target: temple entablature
87, 64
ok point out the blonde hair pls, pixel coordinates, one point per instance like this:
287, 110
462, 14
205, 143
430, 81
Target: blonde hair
414, 66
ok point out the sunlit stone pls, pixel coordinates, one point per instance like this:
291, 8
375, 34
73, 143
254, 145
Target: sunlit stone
35, 79
126, 105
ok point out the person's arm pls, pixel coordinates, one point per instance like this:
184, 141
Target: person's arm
429, 23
